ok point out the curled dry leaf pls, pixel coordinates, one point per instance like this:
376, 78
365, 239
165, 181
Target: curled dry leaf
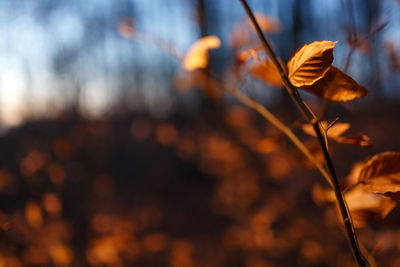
263, 69
310, 63
337, 86
357, 139
352, 177
362, 204
197, 55
381, 174
267, 72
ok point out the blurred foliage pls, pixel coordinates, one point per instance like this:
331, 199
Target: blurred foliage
189, 191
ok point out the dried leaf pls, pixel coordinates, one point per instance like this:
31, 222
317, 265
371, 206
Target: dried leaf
337, 86
267, 72
352, 177
197, 55
381, 174
381, 164
335, 131
358, 139
362, 204
310, 63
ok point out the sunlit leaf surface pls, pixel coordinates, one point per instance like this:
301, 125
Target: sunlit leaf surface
310, 63
336, 86
197, 55
381, 174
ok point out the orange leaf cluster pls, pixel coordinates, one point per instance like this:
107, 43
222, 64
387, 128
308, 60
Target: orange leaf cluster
377, 180
311, 69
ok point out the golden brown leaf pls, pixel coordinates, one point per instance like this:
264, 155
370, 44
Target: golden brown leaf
337, 86
381, 164
358, 139
310, 63
267, 72
381, 174
362, 204
335, 131
197, 55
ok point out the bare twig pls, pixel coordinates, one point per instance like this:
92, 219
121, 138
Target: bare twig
277, 123
344, 211
331, 124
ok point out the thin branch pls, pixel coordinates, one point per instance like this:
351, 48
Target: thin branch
159, 43
331, 124
344, 211
277, 123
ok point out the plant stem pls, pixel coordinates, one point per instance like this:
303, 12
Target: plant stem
282, 127
344, 211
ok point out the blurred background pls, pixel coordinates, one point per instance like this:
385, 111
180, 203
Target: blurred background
69, 54
112, 155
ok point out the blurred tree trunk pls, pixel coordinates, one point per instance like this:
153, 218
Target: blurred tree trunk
373, 12
297, 29
212, 96
202, 17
